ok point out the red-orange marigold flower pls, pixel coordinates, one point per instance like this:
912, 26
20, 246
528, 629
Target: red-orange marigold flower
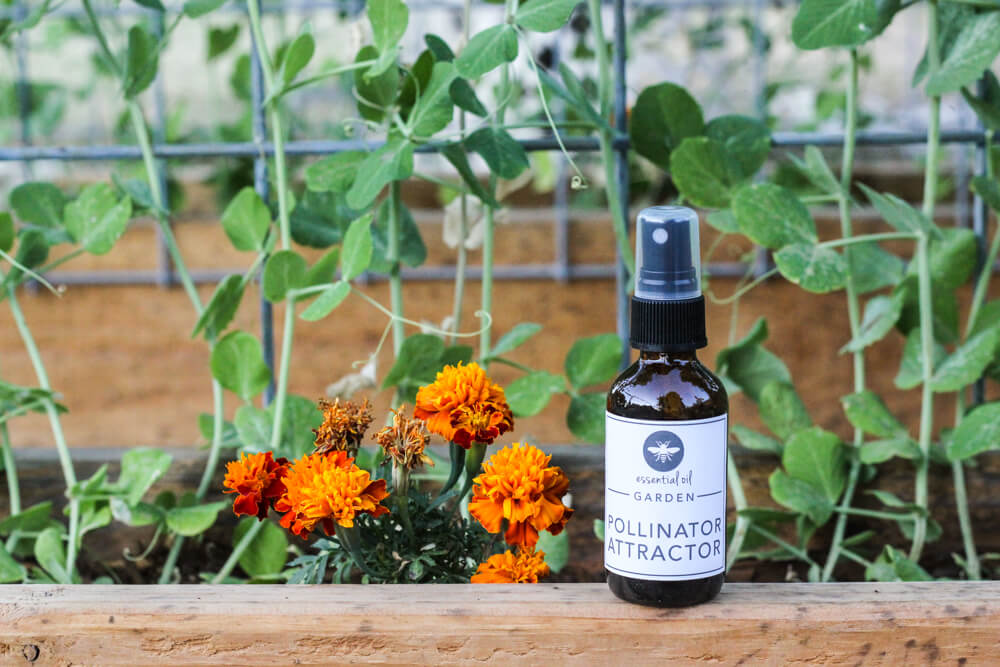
519, 485
525, 567
328, 488
463, 406
257, 480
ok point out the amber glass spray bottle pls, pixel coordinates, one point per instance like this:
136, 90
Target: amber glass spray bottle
665, 447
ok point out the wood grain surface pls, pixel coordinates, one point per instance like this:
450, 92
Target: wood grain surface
836, 624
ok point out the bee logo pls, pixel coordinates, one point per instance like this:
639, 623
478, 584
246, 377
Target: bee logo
663, 451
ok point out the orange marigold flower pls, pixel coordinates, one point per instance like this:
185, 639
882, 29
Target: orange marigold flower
464, 406
328, 488
526, 567
344, 425
257, 480
405, 441
519, 485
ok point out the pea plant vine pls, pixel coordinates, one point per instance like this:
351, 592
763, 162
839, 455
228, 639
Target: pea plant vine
350, 206
819, 481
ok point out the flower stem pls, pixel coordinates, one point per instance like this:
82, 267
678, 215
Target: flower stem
65, 460
853, 308
924, 282
13, 485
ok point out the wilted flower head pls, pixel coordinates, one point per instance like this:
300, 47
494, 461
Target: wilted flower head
525, 567
519, 485
344, 425
328, 489
257, 480
405, 441
463, 406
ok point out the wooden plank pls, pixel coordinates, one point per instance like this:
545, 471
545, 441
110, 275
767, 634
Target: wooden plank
871, 624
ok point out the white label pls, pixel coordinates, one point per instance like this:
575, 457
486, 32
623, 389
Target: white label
665, 498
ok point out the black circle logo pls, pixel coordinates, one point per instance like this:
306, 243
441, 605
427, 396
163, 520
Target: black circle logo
663, 451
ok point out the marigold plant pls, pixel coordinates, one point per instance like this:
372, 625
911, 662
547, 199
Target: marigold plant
328, 489
257, 478
527, 566
404, 441
463, 405
519, 486
344, 425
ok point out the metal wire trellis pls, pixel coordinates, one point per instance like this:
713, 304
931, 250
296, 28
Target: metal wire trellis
561, 269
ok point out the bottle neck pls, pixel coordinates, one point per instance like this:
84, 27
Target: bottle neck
668, 357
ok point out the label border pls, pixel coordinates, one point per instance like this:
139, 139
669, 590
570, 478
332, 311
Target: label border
664, 422
665, 577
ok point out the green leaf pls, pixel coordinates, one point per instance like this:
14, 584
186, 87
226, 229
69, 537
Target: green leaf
504, 155
873, 267
978, 432
356, 253
152, 4
32, 251
593, 360
433, 110
418, 360
985, 187
705, 172
196, 8
221, 308
529, 394
33, 519
800, 496
320, 219
325, 269
10, 570
412, 250
814, 268
285, 270
515, 338
138, 515
253, 428
822, 23
749, 365
376, 94
391, 162
866, 411
893, 565
723, 221
296, 57
140, 468
574, 92
544, 16
301, 417
878, 451
757, 441
944, 309
815, 168
898, 213
664, 115
221, 40
96, 219
247, 220
746, 139
881, 314
555, 548
465, 98
193, 520
911, 367
51, 556
238, 364
416, 80
6, 231
141, 59
335, 172
967, 364
782, 410
773, 216
38, 203
487, 50
987, 107
819, 458
973, 51
952, 257
455, 154
267, 551
442, 52
326, 302
585, 417
389, 19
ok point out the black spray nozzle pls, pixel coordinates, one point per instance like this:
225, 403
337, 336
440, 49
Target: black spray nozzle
667, 254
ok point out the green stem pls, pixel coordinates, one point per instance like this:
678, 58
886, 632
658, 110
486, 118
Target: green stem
850, 555
281, 390
740, 503
924, 278
606, 136
972, 567
461, 262
65, 460
782, 543
400, 491
876, 514
102, 40
238, 550
13, 485
392, 256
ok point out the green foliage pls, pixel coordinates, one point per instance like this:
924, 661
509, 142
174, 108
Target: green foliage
191, 520
238, 364
96, 219
529, 394
326, 302
979, 432
975, 48
221, 308
823, 23
593, 360
773, 216
389, 19
747, 366
285, 270
356, 253
487, 50
266, 553
246, 221
705, 172
664, 115
141, 59
391, 162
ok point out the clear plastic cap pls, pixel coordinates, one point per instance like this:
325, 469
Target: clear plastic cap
667, 254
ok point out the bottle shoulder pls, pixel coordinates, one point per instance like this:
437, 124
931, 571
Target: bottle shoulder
668, 390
